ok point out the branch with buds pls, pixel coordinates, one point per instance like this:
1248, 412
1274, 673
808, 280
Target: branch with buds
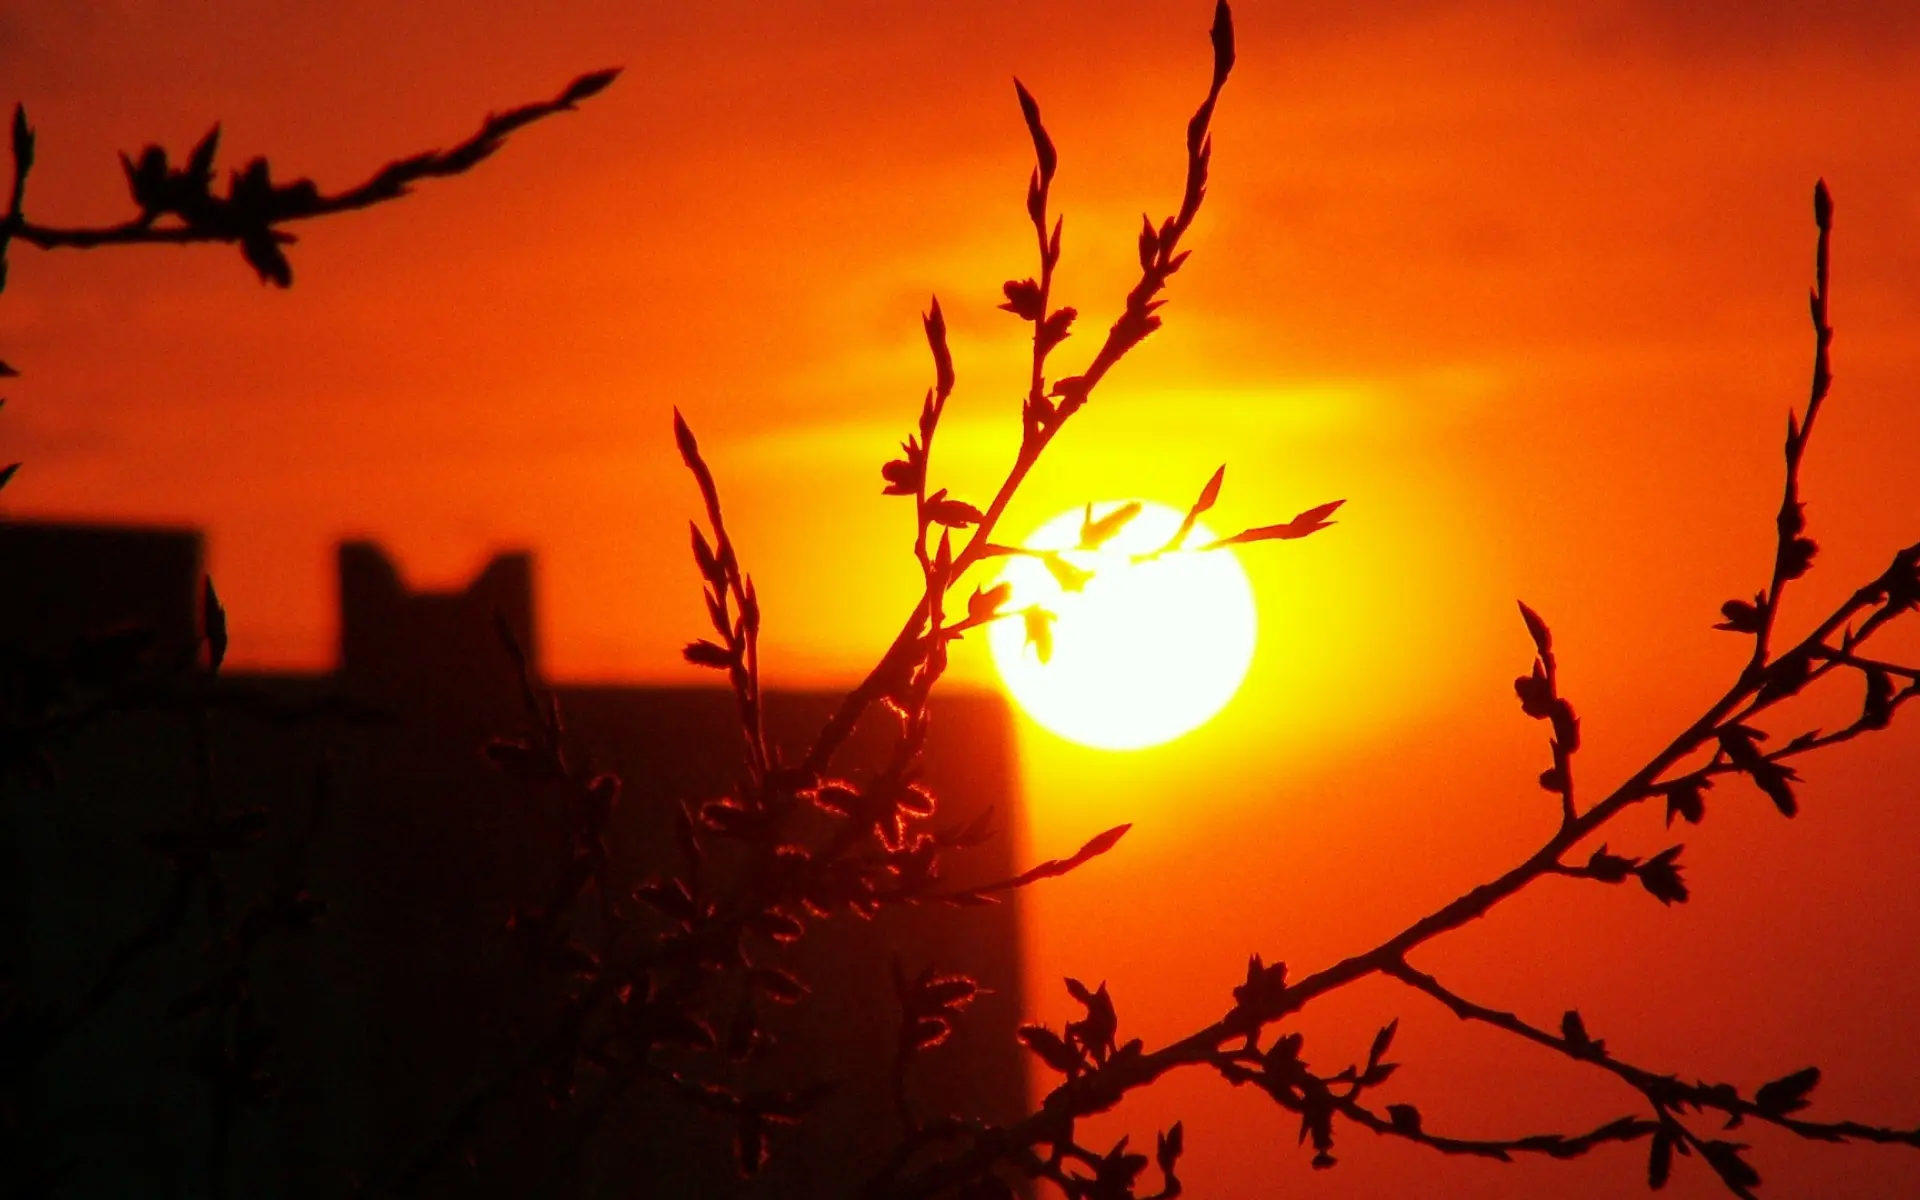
1722, 741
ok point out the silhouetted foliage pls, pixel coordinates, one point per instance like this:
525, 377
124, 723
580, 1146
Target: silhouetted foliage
671, 981
213, 852
1094, 1072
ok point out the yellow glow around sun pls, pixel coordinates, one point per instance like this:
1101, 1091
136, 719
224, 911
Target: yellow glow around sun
1144, 651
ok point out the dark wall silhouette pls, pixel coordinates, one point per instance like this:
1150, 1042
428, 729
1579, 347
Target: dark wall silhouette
395, 1006
65, 581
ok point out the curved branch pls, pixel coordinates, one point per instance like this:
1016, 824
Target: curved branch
1160, 257
1551, 1145
1662, 1089
178, 210
1891, 594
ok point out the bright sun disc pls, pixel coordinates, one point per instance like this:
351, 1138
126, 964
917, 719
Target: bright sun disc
1145, 651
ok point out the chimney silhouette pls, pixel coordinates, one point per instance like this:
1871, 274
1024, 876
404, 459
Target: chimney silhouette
383, 1013
395, 639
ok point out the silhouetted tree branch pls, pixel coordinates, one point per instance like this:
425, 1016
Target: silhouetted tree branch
1098, 1072
178, 205
669, 983
51, 695
1097, 1075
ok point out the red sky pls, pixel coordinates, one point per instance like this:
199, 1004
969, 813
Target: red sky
1525, 284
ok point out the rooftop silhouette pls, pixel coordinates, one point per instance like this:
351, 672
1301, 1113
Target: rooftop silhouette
385, 1015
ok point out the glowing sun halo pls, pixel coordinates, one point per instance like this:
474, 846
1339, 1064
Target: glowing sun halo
1144, 651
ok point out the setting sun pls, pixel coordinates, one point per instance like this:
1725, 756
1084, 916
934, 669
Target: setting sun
1140, 648
625, 611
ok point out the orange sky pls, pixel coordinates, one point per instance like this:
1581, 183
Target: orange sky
1526, 287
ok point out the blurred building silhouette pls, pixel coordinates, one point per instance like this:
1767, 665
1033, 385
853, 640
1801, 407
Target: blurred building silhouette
385, 1013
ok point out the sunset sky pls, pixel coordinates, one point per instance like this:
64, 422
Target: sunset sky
1525, 284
